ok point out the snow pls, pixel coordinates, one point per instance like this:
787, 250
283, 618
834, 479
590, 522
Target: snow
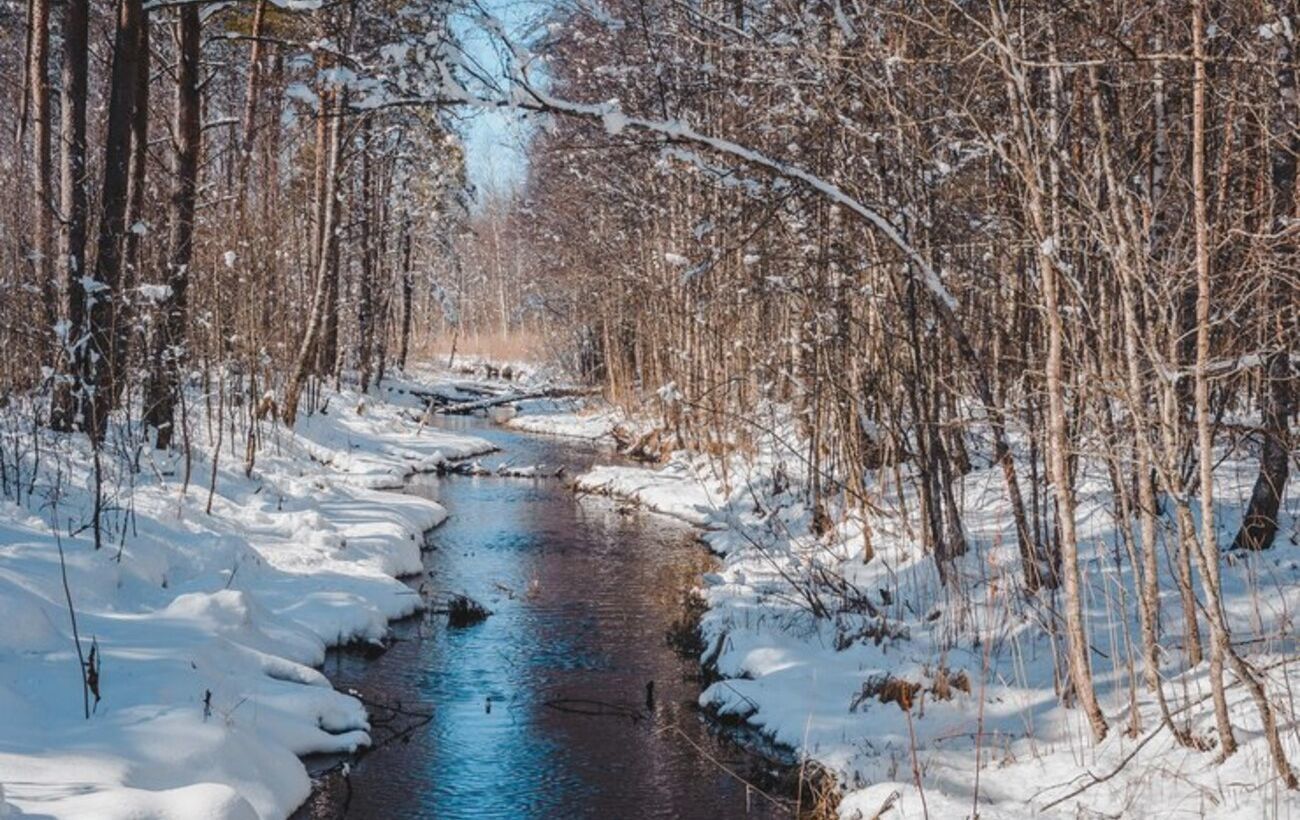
594, 425
373, 448
302, 93
811, 682
674, 490
206, 626
154, 293
209, 626
611, 115
614, 121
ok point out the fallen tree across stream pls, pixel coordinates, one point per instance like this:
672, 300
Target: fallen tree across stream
464, 408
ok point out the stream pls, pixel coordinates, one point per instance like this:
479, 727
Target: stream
541, 710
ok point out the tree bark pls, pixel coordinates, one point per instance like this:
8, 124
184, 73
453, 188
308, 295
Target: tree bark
365, 286
408, 293
97, 364
1259, 525
315, 321
249, 121
139, 158
1209, 546
135, 227
168, 353
327, 360
38, 80
1063, 490
72, 187
1277, 404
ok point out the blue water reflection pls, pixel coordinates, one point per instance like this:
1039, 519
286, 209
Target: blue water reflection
540, 711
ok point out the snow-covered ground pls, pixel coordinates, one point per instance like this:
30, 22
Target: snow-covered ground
205, 624
683, 489
807, 637
593, 425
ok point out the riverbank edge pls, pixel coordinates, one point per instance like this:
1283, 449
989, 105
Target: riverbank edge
785, 778
210, 615
821, 668
813, 787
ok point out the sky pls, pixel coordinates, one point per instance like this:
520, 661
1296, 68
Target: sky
496, 141
495, 147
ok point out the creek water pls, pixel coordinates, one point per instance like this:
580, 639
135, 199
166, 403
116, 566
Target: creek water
542, 710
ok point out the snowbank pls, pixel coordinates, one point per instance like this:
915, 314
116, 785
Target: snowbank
682, 489
205, 627
812, 645
593, 426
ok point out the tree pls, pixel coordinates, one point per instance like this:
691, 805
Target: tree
97, 359
73, 204
38, 85
168, 352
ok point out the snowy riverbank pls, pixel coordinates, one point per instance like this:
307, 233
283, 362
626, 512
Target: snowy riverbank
206, 607
815, 646
594, 425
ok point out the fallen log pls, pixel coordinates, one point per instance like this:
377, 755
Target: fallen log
453, 394
482, 404
476, 468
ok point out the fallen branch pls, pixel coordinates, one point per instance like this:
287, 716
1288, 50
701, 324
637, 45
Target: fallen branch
1124, 761
1103, 778
482, 404
476, 468
595, 708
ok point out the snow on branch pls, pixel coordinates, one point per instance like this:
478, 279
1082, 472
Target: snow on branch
528, 95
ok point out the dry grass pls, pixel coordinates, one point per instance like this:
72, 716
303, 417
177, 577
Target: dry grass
522, 345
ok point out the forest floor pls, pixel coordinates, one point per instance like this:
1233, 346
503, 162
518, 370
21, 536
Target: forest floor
821, 650
206, 607
210, 601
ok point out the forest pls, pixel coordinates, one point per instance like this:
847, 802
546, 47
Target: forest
967, 330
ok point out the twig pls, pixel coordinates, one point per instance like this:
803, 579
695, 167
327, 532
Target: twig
1149, 737
72, 614
775, 801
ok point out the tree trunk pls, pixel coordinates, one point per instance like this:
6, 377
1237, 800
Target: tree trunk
139, 158
321, 154
408, 288
315, 320
135, 227
72, 187
1209, 546
38, 80
1277, 405
1278, 393
1058, 456
365, 286
327, 360
168, 353
1131, 269
96, 357
249, 122
327, 347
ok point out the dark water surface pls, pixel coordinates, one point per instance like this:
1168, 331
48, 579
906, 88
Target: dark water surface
540, 711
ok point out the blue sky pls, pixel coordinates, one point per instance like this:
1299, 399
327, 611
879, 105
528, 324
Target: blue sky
496, 141
495, 151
